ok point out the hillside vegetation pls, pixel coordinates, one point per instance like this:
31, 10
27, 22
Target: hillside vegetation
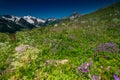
86, 48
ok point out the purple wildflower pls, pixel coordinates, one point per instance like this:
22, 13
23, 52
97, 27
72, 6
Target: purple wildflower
83, 70
116, 77
84, 67
94, 77
107, 47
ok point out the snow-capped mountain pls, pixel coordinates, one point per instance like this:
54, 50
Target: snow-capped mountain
51, 19
9, 26
17, 23
29, 19
12, 18
37, 22
33, 20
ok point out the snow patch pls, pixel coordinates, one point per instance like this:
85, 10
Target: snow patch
28, 19
40, 20
31, 19
51, 19
14, 18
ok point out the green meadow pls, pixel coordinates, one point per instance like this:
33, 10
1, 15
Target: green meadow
85, 48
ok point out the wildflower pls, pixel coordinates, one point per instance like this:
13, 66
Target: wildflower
84, 67
107, 47
83, 70
94, 77
116, 77
21, 48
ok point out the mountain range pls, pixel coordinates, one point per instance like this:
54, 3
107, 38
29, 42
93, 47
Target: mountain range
11, 24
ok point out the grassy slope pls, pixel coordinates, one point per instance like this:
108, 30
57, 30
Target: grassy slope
74, 41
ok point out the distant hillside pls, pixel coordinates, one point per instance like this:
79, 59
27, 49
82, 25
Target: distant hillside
108, 12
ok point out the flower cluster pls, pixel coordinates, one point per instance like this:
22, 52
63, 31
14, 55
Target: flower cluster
107, 47
94, 77
84, 67
116, 77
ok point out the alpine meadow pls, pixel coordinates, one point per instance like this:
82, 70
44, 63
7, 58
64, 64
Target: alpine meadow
77, 47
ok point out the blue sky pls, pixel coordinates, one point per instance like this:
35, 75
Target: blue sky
51, 8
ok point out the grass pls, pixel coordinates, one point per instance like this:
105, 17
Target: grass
44, 49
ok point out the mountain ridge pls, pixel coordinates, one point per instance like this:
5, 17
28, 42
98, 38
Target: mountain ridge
25, 22
29, 22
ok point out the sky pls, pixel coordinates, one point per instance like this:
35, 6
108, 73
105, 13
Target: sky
51, 8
